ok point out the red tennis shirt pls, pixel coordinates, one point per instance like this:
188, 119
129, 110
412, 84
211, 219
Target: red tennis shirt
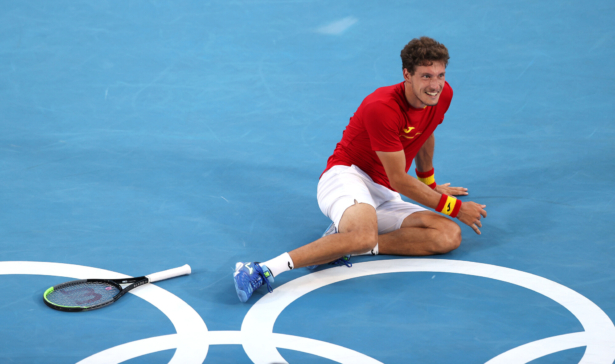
385, 122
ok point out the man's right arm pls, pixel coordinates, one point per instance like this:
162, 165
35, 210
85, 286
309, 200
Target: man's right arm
394, 165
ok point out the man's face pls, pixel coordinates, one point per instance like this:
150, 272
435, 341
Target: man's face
424, 87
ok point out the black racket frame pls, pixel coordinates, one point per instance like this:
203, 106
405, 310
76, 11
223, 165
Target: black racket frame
132, 284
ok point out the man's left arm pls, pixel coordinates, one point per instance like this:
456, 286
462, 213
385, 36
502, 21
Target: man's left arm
424, 163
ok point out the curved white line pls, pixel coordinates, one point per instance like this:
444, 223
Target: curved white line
121, 353
323, 349
539, 348
259, 321
133, 349
192, 341
184, 318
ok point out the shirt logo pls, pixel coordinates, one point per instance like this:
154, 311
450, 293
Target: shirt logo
409, 130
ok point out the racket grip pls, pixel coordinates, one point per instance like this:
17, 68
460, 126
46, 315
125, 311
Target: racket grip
170, 273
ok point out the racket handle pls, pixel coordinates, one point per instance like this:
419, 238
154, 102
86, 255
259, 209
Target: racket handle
170, 273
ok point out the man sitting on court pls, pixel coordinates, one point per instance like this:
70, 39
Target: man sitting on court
361, 185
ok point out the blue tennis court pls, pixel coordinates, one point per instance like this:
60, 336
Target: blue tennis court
142, 136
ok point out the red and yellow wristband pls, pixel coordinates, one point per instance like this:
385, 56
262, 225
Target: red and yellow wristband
427, 178
449, 205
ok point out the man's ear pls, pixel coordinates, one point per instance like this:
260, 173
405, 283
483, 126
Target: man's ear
407, 75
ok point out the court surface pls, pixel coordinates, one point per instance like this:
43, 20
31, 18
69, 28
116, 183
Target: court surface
141, 136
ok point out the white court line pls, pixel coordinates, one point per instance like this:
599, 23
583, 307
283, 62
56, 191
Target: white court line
192, 339
526, 353
131, 350
323, 349
187, 322
599, 335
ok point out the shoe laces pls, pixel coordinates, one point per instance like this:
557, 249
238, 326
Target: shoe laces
345, 260
260, 272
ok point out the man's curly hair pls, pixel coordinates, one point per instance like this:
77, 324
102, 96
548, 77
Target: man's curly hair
423, 51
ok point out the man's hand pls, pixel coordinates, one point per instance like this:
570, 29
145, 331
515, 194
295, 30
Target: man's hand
446, 189
470, 214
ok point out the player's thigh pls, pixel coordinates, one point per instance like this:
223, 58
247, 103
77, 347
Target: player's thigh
340, 190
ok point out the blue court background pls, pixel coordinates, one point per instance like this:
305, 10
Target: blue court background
139, 136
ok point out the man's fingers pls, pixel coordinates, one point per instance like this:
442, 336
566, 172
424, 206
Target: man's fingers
457, 191
452, 191
471, 213
475, 228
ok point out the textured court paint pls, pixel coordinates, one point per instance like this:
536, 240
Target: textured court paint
144, 135
337, 27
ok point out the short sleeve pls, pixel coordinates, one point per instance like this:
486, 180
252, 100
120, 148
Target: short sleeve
383, 124
445, 100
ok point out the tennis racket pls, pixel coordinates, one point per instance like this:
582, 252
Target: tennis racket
90, 294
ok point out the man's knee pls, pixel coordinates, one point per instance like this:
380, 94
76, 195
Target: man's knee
363, 240
361, 224
449, 238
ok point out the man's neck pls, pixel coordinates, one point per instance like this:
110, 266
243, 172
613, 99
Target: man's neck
411, 97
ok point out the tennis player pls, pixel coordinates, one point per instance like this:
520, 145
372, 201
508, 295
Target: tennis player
361, 185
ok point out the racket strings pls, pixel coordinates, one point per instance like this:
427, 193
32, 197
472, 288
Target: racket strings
82, 294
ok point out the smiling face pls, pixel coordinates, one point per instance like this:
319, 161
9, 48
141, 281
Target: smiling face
424, 87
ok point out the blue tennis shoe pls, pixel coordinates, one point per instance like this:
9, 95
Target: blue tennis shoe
249, 277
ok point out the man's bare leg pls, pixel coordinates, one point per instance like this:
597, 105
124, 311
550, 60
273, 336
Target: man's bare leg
358, 231
421, 233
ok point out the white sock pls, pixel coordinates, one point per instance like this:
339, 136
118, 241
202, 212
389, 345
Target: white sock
280, 264
369, 252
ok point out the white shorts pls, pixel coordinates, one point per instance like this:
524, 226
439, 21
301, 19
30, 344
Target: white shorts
340, 186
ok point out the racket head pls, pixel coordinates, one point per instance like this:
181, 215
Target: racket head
82, 295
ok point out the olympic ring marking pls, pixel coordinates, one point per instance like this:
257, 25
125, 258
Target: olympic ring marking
598, 336
187, 322
121, 353
193, 342
526, 353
